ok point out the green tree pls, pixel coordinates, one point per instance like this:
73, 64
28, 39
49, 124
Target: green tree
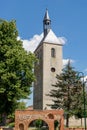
38, 123
22, 105
11, 117
67, 91
56, 125
16, 65
81, 111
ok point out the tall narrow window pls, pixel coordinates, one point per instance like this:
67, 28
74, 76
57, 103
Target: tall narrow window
53, 53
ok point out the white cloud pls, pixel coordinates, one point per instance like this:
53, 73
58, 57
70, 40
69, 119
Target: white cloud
85, 79
18, 38
31, 44
63, 40
65, 61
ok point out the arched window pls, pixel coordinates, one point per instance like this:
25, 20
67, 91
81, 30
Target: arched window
53, 53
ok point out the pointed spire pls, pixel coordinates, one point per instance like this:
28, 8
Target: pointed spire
46, 23
46, 17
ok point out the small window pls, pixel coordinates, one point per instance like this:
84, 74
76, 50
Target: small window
53, 69
51, 116
52, 52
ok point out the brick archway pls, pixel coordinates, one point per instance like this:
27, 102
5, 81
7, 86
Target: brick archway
45, 121
25, 117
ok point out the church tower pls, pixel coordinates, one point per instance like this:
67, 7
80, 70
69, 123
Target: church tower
49, 54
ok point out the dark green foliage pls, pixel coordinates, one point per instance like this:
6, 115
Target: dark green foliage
56, 124
21, 105
16, 75
67, 92
38, 123
80, 111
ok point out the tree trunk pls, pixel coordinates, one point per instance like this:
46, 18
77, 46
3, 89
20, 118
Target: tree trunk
4, 117
81, 121
67, 120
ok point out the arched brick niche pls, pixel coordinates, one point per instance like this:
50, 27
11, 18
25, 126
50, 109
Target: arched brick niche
23, 118
21, 126
50, 116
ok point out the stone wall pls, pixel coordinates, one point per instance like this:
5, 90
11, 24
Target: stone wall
75, 122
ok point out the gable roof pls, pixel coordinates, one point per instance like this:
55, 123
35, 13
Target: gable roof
52, 38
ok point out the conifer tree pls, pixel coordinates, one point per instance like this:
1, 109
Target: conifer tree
67, 92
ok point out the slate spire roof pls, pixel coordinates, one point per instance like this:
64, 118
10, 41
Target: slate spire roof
46, 17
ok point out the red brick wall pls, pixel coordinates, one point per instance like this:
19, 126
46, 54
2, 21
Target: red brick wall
25, 117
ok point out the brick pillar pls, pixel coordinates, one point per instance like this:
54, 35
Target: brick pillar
62, 123
16, 126
51, 125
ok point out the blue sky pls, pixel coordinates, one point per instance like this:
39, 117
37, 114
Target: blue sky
69, 20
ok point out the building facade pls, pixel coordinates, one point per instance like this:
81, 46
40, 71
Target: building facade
49, 54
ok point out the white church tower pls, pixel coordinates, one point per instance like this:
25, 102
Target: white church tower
49, 54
